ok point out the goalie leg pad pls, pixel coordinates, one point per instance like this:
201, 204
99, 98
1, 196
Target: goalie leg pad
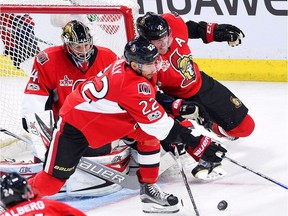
24, 169
84, 184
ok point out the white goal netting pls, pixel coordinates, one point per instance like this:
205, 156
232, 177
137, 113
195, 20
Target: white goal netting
26, 29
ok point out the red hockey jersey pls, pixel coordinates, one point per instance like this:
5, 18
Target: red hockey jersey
54, 75
42, 206
180, 75
114, 104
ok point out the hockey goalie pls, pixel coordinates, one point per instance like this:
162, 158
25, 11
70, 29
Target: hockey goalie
56, 72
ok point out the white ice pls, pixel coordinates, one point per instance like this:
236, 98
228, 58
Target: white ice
247, 194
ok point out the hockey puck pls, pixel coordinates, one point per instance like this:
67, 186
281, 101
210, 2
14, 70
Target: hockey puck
222, 205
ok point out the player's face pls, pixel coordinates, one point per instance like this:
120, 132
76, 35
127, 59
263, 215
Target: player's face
163, 44
81, 49
148, 70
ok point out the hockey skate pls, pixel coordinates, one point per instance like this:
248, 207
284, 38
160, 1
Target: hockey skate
155, 201
208, 171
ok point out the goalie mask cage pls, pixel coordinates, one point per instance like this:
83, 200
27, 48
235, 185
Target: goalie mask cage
26, 29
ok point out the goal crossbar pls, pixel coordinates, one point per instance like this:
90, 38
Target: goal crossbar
71, 9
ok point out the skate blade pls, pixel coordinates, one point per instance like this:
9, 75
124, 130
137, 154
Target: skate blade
156, 208
217, 173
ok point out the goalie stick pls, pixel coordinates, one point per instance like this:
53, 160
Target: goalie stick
20, 137
253, 171
104, 172
184, 177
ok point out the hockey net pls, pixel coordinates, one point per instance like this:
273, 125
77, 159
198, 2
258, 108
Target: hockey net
30, 26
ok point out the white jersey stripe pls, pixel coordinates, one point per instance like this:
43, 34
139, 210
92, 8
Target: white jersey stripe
100, 106
51, 147
149, 159
160, 129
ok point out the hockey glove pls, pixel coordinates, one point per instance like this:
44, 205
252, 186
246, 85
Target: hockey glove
207, 149
229, 33
170, 147
190, 110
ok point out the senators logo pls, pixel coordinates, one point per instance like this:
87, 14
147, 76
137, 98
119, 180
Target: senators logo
236, 101
184, 65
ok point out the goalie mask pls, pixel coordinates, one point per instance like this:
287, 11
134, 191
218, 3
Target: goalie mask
152, 26
14, 189
77, 40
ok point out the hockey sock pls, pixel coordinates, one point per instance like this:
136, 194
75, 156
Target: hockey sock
244, 129
149, 160
44, 184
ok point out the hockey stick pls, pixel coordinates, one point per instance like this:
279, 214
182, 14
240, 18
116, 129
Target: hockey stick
20, 137
257, 173
177, 158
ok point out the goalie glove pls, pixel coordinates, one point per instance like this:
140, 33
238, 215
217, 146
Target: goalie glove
221, 32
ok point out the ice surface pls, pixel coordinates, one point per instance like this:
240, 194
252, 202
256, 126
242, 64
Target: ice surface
247, 194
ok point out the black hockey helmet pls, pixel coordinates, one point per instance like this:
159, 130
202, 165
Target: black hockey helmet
14, 189
140, 50
76, 33
152, 26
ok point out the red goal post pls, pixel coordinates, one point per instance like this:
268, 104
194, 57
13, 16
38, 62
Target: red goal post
111, 26
62, 9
